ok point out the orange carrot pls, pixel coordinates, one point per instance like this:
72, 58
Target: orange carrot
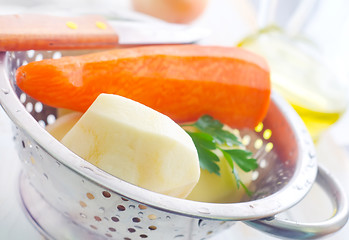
182, 82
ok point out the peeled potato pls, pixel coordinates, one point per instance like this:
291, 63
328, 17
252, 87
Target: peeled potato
137, 144
219, 189
63, 111
63, 124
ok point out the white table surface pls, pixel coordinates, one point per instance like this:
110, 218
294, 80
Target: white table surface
332, 149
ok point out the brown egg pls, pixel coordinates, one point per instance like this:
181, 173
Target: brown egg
175, 11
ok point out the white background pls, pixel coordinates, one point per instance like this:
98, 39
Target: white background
228, 21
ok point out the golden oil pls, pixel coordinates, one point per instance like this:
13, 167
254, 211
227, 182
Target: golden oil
317, 94
317, 122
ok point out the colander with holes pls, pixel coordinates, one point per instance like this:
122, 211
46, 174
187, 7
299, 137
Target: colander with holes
66, 197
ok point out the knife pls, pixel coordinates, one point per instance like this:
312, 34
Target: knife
20, 32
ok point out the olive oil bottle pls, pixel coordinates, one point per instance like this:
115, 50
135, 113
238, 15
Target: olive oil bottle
300, 75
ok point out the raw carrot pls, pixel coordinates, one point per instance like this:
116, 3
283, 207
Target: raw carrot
183, 82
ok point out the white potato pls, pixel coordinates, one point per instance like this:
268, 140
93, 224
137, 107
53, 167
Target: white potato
220, 189
63, 124
137, 144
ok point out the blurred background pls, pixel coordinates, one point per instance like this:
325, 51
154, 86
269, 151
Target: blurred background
306, 45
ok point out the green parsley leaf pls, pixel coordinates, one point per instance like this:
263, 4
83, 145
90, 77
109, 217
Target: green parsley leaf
203, 139
204, 143
215, 128
211, 136
242, 158
248, 192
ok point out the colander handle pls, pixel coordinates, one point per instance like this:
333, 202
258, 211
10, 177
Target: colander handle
296, 230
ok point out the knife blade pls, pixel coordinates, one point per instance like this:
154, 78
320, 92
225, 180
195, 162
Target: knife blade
20, 32
143, 33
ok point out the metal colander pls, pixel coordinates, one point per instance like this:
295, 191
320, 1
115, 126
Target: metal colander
66, 197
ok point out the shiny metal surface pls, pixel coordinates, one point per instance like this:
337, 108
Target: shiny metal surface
300, 230
99, 204
144, 33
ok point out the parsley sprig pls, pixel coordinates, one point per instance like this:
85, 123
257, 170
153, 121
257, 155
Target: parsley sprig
208, 137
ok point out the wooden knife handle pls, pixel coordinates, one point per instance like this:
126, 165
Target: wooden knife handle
47, 32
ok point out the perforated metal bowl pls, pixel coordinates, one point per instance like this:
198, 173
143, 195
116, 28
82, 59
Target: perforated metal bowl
68, 198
